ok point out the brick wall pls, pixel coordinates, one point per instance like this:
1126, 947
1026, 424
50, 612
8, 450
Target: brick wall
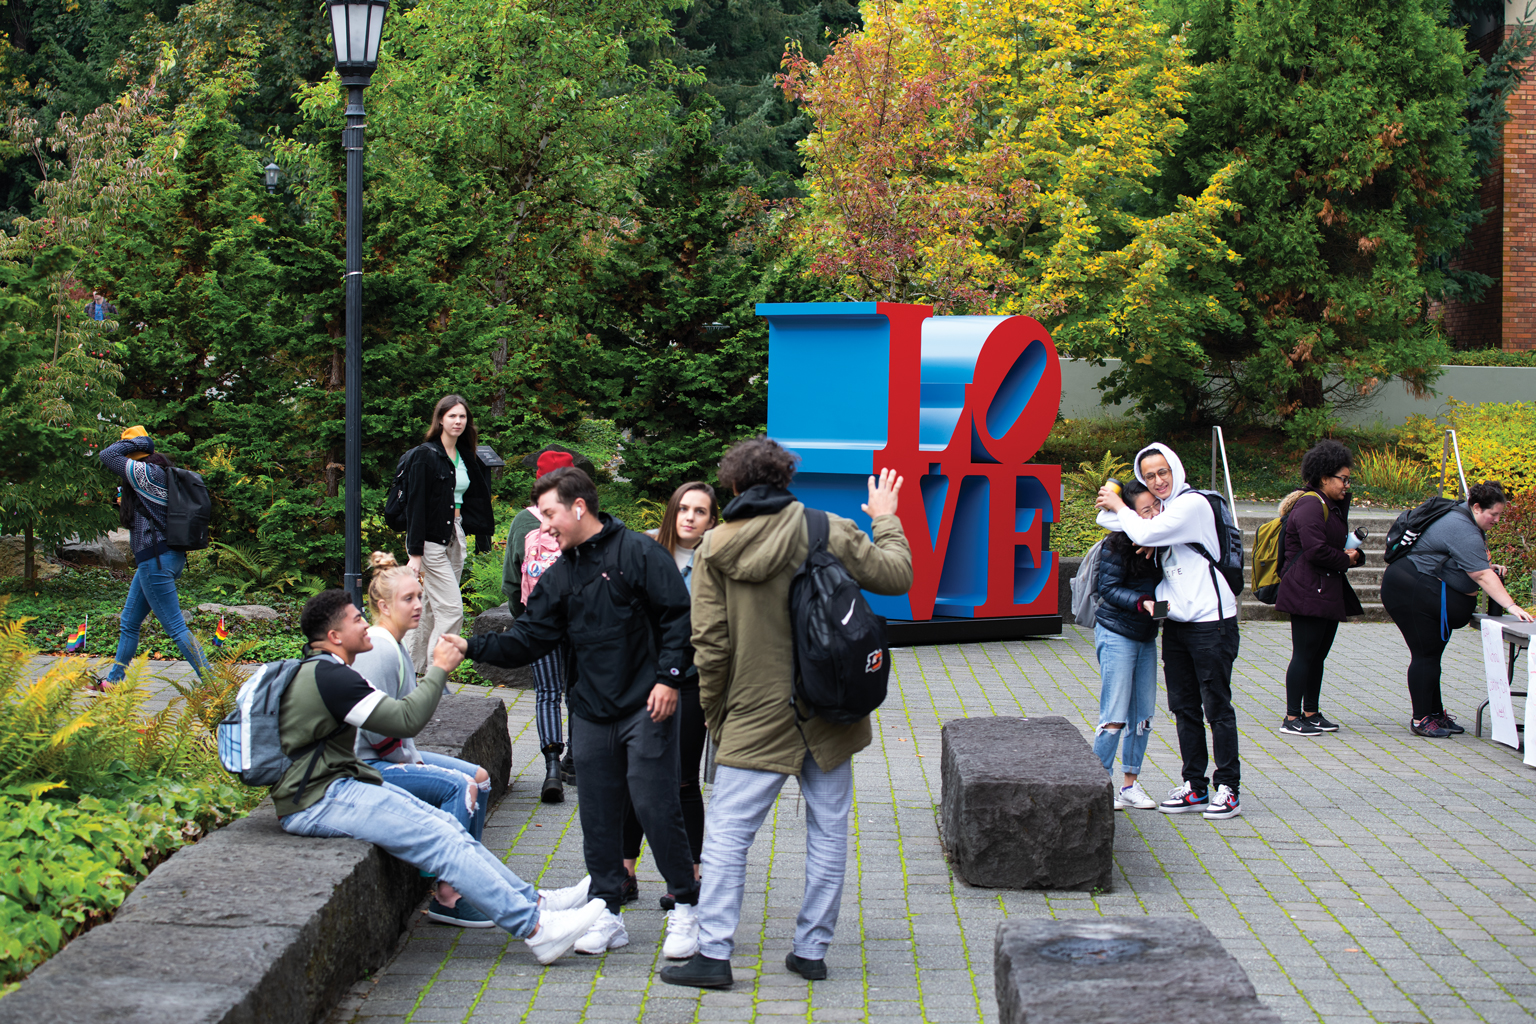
1504, 245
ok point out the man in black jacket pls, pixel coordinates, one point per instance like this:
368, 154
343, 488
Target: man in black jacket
619, 598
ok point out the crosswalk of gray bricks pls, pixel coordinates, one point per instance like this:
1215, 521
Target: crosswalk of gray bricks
1373, 876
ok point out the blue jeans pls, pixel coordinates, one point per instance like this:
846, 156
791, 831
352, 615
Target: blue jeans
442, 781
154, 589
427, 838
1128, 696
741, 799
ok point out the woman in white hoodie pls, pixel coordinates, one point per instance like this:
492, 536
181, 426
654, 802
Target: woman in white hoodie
1200, 639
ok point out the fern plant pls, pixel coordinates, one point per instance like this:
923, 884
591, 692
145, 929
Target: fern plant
1090, 476
245, 568
482, 583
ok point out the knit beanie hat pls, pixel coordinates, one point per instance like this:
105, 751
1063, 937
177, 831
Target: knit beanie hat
553, 460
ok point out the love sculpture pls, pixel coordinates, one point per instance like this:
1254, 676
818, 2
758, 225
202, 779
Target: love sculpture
958, 405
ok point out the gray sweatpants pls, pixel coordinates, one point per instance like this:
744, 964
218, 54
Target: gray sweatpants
738, 803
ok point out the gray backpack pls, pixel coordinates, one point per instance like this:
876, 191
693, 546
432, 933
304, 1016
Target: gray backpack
1085, 588
249, 745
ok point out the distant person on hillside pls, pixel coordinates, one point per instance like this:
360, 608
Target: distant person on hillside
1313, 590
447, 783
1200, 638
157, 567
1433, 589
530, 553
339, 795
1125, 641
99, 308
447, 499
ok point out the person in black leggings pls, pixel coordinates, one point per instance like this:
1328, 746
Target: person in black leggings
691, 512
1313, 590
1433, 589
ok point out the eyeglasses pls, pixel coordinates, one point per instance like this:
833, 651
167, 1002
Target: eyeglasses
1343, 479
1159, 474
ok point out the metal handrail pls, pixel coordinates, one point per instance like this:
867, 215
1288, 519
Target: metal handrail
1448, 445
1219, 443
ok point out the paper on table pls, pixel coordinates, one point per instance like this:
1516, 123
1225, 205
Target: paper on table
1501, 707
1530, 702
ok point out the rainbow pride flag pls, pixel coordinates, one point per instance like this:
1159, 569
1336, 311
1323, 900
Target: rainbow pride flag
220, 634
76, 641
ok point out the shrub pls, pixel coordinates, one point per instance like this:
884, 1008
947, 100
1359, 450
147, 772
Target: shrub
1392, 471
1090, 476
1513, 543
1077, 530
1497, 440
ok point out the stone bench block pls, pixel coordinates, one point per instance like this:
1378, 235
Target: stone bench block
1120, 970
1026, 805
252, 925
499, 620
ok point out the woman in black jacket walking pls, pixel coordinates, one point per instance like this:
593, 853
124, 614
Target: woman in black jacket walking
1313, 590
1125, 640
447, 498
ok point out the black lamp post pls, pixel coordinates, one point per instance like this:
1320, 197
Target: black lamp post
272, 173
356, 28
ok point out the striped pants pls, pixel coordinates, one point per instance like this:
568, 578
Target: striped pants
740, 800
548, 689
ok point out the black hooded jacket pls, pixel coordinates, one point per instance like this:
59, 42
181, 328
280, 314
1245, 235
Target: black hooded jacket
429, 499
620, 599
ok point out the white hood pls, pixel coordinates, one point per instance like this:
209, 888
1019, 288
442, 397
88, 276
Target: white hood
1174, 463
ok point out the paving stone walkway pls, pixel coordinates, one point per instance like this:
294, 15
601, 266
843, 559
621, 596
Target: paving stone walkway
1373, 876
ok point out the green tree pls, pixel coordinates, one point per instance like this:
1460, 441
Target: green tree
1355, 173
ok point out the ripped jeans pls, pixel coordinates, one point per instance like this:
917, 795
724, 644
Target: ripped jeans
444, 782
1129, 696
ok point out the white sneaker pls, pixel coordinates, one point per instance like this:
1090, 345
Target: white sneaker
682, 932
1134, 796
559, 930
607, 932
569, 898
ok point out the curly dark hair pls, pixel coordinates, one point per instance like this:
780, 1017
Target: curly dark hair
1486, 494
1324, 459
758, 460
322, 612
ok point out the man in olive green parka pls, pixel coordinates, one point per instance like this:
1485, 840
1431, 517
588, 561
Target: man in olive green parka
744, 654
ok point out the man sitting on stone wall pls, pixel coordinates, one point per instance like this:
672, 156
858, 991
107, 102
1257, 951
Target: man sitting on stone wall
337, 795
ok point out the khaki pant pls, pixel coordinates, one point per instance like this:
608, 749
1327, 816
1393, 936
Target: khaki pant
442, 605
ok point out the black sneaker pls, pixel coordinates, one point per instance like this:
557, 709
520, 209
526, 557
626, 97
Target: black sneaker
631, 890
1317, 721
700, 972
810, 970
1449, 723
1429, 726
1298, 727
667, 901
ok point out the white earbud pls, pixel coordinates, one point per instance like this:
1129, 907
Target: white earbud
578, 514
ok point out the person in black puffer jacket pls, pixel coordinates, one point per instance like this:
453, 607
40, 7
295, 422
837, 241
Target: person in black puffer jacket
1125, 640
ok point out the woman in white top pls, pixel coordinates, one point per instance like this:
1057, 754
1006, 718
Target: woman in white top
457, 787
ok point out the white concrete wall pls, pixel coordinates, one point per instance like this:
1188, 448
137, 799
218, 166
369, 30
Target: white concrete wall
1391, 405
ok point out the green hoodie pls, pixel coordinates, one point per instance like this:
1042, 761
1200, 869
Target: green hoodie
741, 633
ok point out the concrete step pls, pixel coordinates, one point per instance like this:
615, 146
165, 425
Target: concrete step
1258, 611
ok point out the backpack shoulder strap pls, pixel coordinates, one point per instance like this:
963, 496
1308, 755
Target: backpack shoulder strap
818, 529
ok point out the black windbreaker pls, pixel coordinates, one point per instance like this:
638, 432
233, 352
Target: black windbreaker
429, 499
622, 602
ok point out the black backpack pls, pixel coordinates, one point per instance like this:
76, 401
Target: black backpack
842, 660
394, 505
188, 509
1409, 526
1229, 558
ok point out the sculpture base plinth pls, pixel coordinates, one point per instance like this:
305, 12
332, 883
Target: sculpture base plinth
946, 630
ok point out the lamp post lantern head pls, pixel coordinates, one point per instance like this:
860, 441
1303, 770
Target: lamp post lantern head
356, 27
273, 173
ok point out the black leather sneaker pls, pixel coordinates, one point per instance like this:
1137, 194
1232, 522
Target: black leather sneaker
1322, 724
1298, 727
700, 972
810, 970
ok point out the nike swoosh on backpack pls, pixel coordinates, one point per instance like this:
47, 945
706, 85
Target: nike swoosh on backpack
851, 607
